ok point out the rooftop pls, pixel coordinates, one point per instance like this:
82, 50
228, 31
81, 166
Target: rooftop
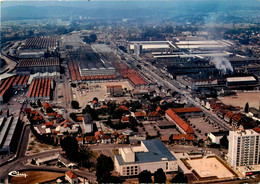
239, 79
156, 152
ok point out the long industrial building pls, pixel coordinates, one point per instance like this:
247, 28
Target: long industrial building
7, 131
31, 66
40, 88
8, 84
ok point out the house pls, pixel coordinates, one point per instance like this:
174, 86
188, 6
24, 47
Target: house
153, 116
90, 140
125, 119
181, 125
228, 116
165, 139
140, 115
122, 139
105, 139
71, 177
124, 108
46, 107
236, 119
49, 124
80, 140
187, 139
221, 113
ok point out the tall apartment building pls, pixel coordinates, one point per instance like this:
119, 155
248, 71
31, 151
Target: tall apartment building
243, 148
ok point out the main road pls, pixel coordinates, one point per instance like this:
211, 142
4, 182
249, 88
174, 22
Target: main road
152, 71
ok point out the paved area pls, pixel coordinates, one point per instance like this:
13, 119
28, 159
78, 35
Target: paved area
209, 167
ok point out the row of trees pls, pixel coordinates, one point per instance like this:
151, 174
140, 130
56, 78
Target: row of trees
160, 177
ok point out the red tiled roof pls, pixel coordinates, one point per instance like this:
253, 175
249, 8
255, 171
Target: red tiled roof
48, 124
124, 118
237, 117
154, 114
229, 114
188, 137
186, 110
179, 121
257, 129
79, 138
90, 138
124, 108
71, 175
158, 109
140, 114
98, 134
165, 138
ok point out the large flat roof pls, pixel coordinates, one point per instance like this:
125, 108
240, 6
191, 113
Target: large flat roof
239, 79
156, 152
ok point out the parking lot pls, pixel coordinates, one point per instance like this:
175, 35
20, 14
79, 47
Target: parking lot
201, 126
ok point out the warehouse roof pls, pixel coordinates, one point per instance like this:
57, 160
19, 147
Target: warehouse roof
39, 62
239, 79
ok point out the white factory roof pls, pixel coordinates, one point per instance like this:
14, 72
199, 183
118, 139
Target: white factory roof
239, 79
6, 75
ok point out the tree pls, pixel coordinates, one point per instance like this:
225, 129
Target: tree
159, 176
145, 177
103, 168
70, 146
224, 141
179, 178
74, 104
133, 123
247, 108
73, 116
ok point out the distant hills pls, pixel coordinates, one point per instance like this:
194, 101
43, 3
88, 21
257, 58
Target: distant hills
121, 9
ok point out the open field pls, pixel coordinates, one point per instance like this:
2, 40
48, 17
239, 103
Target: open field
36, 177
253, 98
88, 91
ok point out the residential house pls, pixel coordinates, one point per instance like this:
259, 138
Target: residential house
140, 115
187, 139
153, 116
71, 177
228, 116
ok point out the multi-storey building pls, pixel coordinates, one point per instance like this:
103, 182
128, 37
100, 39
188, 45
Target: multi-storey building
243, 148
151, 155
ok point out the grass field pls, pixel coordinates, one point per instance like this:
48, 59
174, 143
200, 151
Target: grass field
36, 177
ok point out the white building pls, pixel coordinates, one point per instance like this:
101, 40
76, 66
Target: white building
151, 155
243, 148
216, 136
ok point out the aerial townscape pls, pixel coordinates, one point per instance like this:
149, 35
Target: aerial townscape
130, 91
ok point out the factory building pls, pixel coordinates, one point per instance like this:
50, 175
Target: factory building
114, 90
37, 47
242, 82
31, 66
8, 127
151, 155
40, 88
